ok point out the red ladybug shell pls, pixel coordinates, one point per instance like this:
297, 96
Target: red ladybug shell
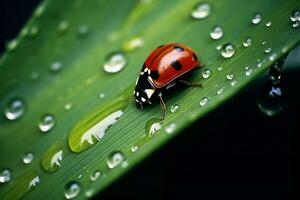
170, 61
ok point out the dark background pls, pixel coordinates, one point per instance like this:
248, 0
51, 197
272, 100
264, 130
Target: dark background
235, 151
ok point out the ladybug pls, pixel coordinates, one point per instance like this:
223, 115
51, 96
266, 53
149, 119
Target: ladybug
163, 70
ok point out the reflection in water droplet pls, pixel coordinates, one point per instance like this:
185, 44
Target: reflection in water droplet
34, 182
152, 126
170, 128
134, 148
268, 24
12, 45
230, 77
33, 31
219, 47
63, 26
47, 123
248, 71
80, 141
5, 176
56, 66
51, 160
202, 10
174, 108
204, 101
216, 33
79, 176
271, 100
83, 30
28, 158
133, 44
295, 18
72, 190
115, 63
228, 50
247, 42
268, 50
256, 18
114, 159
15, 109
95, 175
264, 42
206, 73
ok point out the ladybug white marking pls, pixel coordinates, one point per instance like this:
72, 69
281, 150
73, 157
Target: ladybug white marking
143, 99
149, 92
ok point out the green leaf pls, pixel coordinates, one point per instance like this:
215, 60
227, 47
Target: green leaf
74, 38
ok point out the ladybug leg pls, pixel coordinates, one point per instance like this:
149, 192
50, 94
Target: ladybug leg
163, 105
189, 84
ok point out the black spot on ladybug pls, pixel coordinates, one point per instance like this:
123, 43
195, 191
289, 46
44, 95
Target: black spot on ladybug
176, 65
154, 74
160, 46
178, 48
195, 57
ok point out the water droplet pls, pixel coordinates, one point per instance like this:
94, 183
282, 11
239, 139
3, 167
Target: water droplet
56, 66
95, 175
228, 50
68, 106
295, 16
24, 32
220, 68
204, 101
174, 108
256, 18
272, 57
230, 77
33, 31
79, 176
28, 158
202, 10
206, 73
72, 190
248, 71
152, 126
133, 44
51, 160
15, 109
39, 11
89, 193
124, 164
216, 33
170, 128
247, 42
296, 24
63, 26
220, 90
271, 100
264, 42
268, 24
268, 50
5, 176
134, 148
47, 123
83, 30
114, 159
12, 45
34, 182
82, 140
115, 63
219, 47
101, 95
233, 82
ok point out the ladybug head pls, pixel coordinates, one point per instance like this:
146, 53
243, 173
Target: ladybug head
143, 92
